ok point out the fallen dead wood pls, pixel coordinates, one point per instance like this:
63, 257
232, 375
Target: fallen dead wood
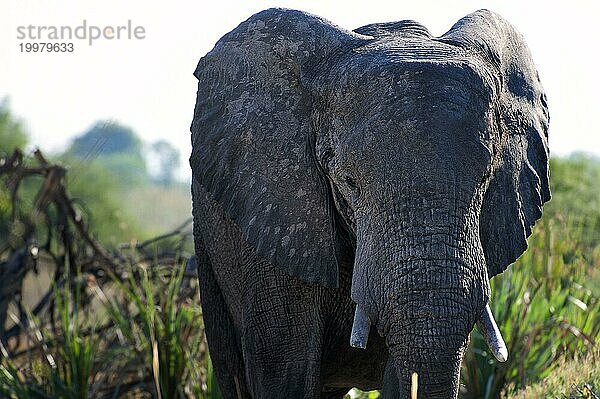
66, 243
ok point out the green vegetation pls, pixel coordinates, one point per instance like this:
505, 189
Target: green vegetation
167, 334
12, 136
138, 332
545, 313
61, 371
116, 148
575, 183
109, 150
97, 195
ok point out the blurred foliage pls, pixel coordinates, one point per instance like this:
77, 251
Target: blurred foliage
575, 183
108, 178
93, 191
96, 192
111, 154
12, 132
175, 206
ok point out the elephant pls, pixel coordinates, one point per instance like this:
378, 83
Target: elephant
353, 194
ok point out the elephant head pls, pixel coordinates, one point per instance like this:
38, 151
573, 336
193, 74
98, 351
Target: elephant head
428, 154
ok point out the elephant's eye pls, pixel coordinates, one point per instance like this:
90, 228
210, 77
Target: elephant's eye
353, 186
350, 182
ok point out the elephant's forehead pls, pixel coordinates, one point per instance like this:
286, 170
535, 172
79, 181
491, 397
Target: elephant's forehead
413, 60
410, 49
387, 74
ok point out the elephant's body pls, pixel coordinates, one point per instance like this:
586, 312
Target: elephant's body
256, 349
361, 184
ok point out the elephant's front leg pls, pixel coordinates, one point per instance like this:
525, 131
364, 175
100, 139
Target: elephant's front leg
282, 340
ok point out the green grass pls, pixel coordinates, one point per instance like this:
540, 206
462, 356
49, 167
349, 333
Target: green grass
63, 368
575, 379
166, 333
77, 350
155, 337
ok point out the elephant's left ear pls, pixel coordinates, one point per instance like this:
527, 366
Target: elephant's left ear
519, 186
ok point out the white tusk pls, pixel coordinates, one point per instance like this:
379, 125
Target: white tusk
490, 331
414, 385
360, 328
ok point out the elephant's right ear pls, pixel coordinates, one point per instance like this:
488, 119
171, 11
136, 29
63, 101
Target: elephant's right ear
253, 139
519, 186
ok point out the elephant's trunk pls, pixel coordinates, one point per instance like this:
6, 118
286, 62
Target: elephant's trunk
428, 336
424, 291
429, 374
426, 318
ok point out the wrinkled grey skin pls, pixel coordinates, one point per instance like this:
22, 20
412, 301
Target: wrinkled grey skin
381, 167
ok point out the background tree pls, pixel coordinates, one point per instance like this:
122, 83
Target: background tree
167, 161
106, 138
114, 146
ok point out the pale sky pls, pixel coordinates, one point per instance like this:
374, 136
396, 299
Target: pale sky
148, 84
